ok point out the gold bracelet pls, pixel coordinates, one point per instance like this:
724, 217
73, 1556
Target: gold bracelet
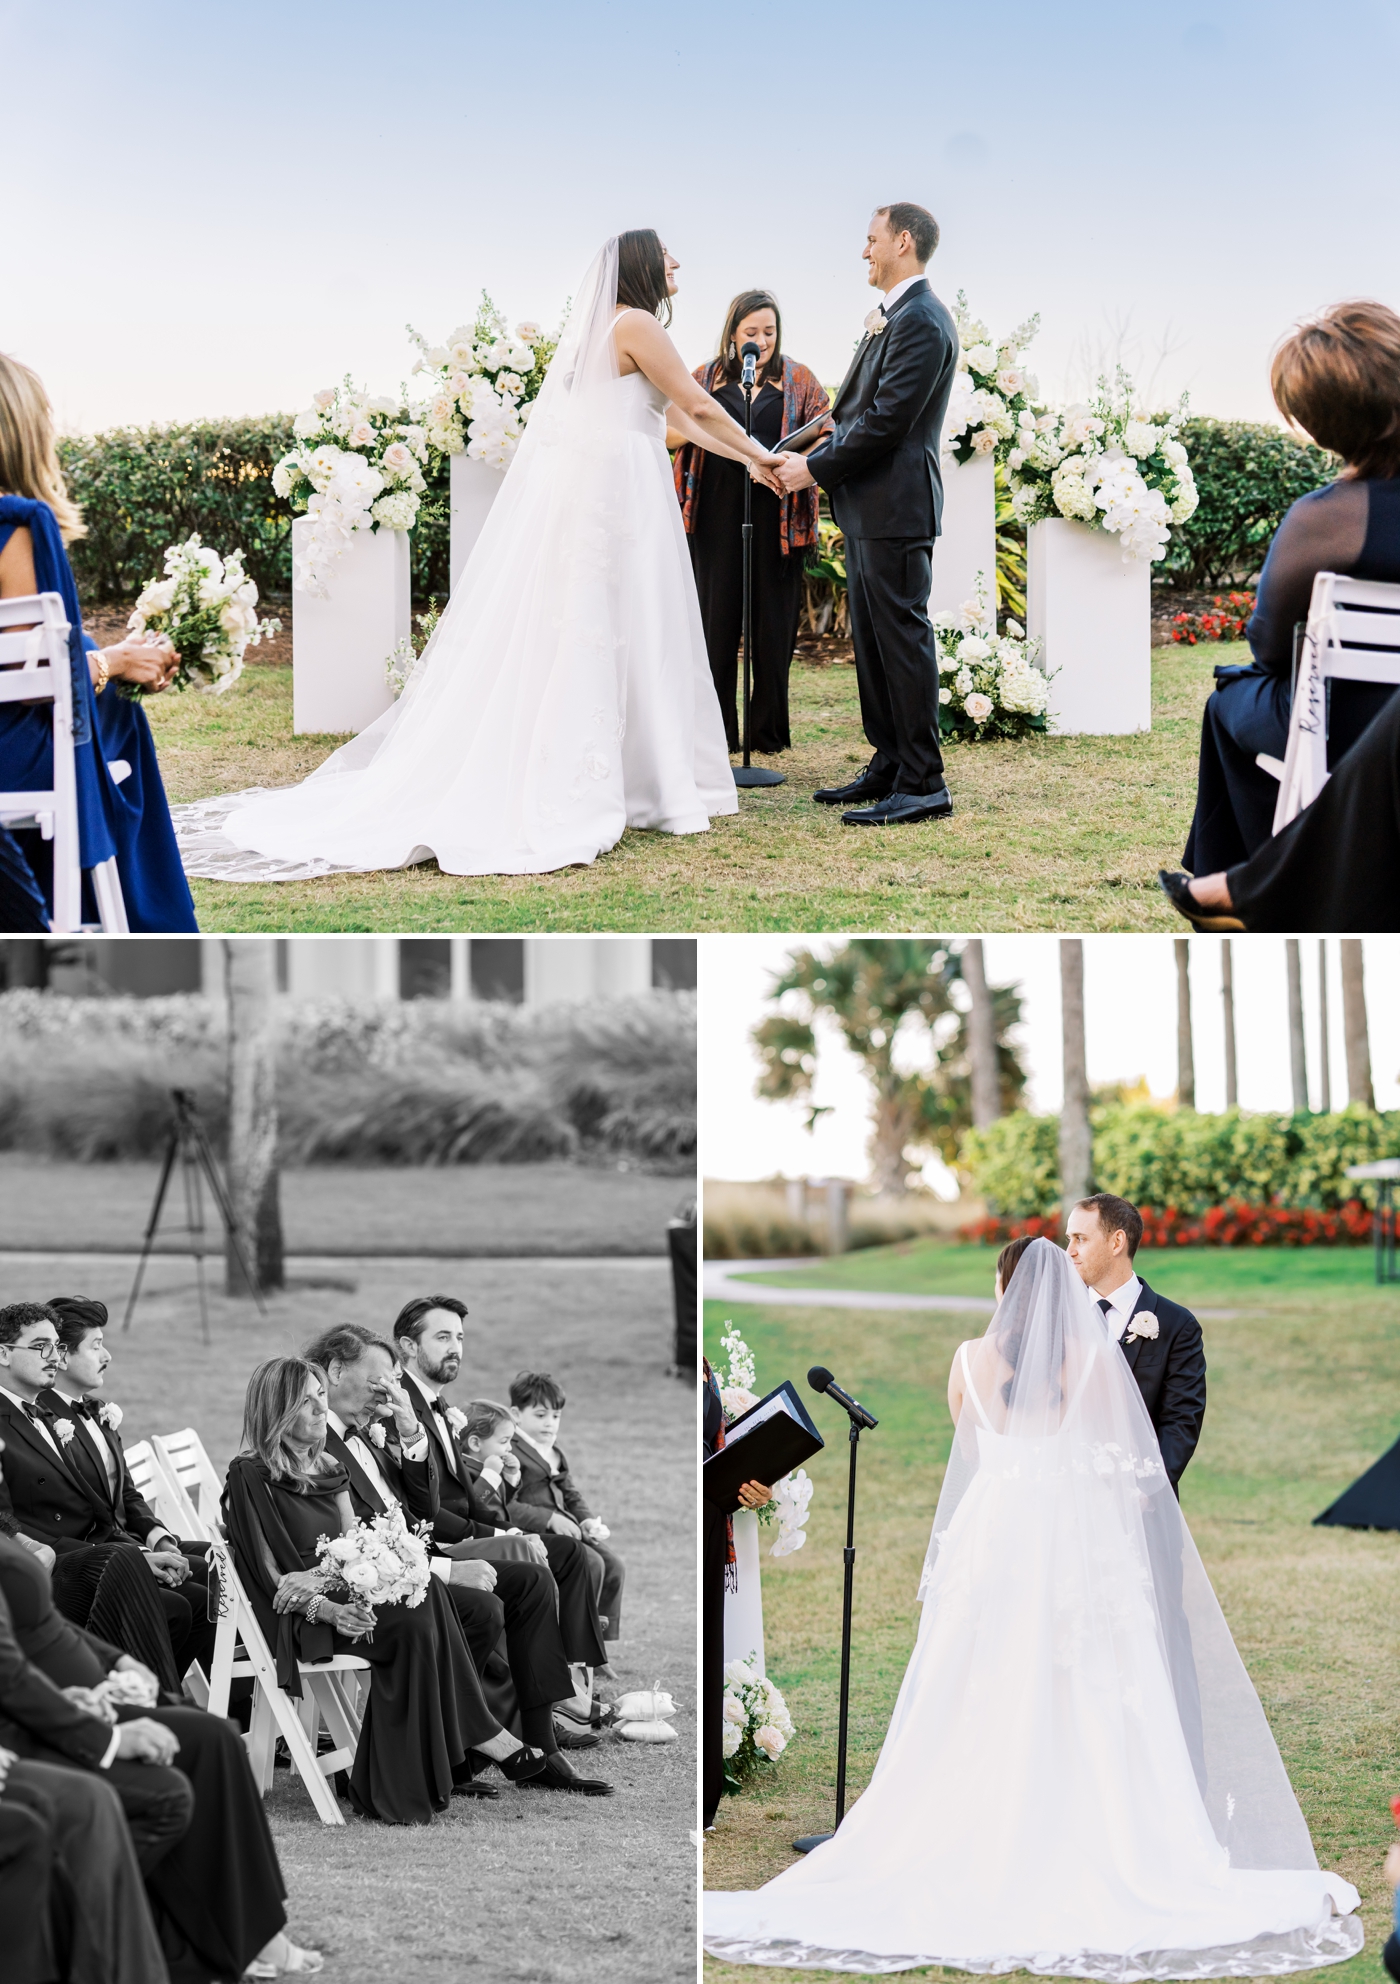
104, 671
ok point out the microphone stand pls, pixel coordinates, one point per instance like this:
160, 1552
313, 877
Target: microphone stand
811, 1839
749, 774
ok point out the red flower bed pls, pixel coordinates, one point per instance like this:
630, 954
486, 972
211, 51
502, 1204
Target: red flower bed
1232, 1225
1225, 623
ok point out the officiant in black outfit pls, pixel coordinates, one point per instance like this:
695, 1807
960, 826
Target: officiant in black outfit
886, 488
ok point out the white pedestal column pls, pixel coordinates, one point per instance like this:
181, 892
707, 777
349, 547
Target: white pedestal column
743, 1609
967, 544
473, 488
340, 644
1092, 610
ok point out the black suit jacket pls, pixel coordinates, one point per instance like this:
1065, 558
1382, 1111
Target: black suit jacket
413, 1481
453, 1521
56, 1498
1170, 1369
881, 470
33, 1712
130, 1512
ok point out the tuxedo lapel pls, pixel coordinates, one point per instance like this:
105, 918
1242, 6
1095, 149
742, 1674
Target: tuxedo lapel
440, 1433
868, 342
1132, 1346
18, 1425
360, 1483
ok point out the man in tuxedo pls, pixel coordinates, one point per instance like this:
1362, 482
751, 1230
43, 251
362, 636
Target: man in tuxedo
61, 1491
1160, 1340
374, 1432
881, 470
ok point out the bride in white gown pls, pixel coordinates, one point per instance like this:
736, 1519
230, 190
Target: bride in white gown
1078, 1778
566, 692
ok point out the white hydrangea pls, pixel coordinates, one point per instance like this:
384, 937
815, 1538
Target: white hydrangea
1072, 494
396, 511
1140, 438
964, 682
1024, 691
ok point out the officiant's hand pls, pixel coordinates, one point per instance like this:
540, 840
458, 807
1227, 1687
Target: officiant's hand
753, 1495
793, 473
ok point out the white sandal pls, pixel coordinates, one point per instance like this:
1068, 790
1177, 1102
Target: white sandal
306, 1962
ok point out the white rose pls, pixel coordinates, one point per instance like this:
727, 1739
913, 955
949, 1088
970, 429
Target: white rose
978, 707
364, 1576
398, 459
945, 695
974, 648
1173, 452
738, 1674
769, 1741
305, 425
734, 1710
438, 354
528, 332
731, 1736
982, 358
325, 398
1011, 380
382, 405
361, 435
984, 441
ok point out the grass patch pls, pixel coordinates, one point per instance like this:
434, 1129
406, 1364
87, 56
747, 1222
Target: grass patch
1304, 1393
1051, 833
529, 1889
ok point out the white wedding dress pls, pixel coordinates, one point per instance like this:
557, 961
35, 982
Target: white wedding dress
1078, 1778
566, 692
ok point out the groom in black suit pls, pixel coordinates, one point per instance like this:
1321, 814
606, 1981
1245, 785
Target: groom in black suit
1160, 1340
882, 473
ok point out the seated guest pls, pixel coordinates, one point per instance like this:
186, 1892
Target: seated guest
425, 1714
386, 1460
199, 1830
1335, 867
536, 1404
1338, 379
130, 819
60, 1490
711, 489
428, 1334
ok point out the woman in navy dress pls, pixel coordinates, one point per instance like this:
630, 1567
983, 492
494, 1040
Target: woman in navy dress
1339, 380
125, 815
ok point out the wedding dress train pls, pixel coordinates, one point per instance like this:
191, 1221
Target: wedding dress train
566, 692
1078, 1778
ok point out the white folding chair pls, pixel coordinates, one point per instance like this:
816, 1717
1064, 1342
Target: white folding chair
241, 1652
1353, 633
34, 668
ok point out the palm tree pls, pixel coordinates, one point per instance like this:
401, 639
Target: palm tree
1227, 1001
1297, 1050
1076, 1138
1185, 1059
877, 989
1358, 1045
982, 1037
250, 979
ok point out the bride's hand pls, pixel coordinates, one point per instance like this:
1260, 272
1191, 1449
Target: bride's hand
764, 469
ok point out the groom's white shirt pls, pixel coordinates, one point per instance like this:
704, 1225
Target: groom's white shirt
893, 295
1123, 1301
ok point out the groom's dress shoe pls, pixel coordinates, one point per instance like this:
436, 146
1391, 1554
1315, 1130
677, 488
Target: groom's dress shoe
557, 1775
902, 809
860, 789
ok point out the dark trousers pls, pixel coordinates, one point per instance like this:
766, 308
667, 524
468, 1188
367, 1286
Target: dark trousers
580, 1626
888, 580
609, 1574
27, 1901
525, 1594
717, 558
712, 1661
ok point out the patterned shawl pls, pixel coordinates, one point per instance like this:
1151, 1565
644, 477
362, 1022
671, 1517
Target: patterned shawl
804, 397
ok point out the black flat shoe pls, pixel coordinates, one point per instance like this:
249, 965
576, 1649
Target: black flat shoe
520, 1766
1176, 887
860, 791
557, 1775
903, 809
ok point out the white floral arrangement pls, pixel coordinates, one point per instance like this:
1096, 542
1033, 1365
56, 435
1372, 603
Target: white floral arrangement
756, 1725
990, 684
482, 384
382, 1562
1104, 463
358, 465
206, 606
736, 1386
793, 1494
791, 1499
994, 396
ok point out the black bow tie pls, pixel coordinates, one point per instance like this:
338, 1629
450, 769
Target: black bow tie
439, 1408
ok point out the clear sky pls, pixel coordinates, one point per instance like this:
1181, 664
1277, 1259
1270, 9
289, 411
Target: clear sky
1130, 1028
217, 209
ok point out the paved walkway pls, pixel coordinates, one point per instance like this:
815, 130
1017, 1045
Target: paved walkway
721, 1285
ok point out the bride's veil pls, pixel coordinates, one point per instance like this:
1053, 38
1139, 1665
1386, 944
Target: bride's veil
1056, 1415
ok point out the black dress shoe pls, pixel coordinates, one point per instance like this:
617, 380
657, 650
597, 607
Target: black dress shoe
1176, 887
558, 1775
569, 1736
859, 790
902, 809
475, 1788
521, 1766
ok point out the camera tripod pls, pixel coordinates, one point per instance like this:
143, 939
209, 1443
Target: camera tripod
190, 1146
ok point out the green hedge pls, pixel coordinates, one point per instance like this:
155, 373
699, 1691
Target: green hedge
1161, 1158
143, 488
1247, 474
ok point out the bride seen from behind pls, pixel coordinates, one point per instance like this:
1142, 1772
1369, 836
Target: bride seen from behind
566, 692
1078, 1778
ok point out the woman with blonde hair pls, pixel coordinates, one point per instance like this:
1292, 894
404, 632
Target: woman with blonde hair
1337, 380
122, 808
427, 1726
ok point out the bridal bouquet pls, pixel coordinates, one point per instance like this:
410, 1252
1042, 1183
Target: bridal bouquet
993, 396
1106, 464
207, 607
382, 1562
989, 683
358, 465
483, 383
791, 1495
757, 1727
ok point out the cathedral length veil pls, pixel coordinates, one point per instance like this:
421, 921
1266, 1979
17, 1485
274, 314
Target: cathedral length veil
565, 693
1078, 1778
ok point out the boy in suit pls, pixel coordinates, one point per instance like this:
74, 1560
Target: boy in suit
546, 1484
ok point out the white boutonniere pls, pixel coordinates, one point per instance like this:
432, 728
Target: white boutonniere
110, 1416
456, 1419
375, 1429
1143, 1324
876, 322
64, 1429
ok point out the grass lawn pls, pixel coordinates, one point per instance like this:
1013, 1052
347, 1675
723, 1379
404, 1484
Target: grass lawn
1304, 1394
1049, 834
541, 1889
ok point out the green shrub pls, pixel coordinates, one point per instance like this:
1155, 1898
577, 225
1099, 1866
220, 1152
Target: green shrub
1247, 473
1014, 1164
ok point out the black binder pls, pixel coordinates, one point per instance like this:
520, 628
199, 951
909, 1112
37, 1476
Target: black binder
766, 1442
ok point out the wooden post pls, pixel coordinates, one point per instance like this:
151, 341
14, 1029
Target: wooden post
982, 1037
1297, 1047
1227, 1001
1076, 1141
1324, 1044
250, 976
1359, 1089
1185, 1058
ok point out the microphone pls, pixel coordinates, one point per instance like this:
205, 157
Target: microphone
749, 354
821, 1380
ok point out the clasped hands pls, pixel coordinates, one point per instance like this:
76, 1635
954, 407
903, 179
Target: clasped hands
783, 474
